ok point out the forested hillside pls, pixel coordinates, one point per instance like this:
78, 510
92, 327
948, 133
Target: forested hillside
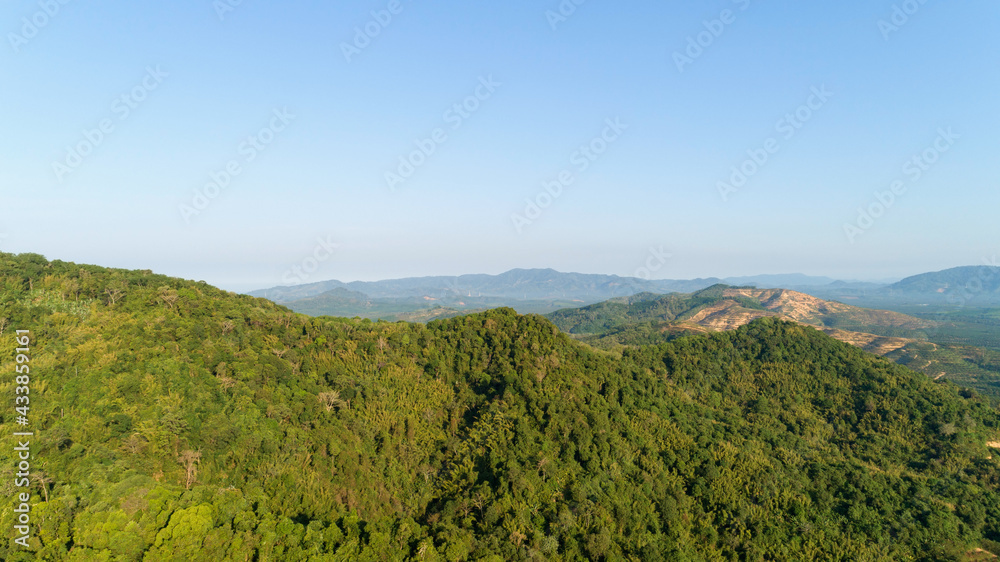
724, 307
649, 319
176, 421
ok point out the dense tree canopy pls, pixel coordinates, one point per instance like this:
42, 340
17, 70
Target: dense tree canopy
177, 421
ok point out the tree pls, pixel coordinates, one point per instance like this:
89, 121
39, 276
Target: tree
190, 460
43, 482
135, 444
116, 291
331, 400
168, 296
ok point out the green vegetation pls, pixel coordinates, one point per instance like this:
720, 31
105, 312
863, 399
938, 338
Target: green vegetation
649, 319
649, 309
964, 326
177, 421
345, 303
973, 367
735, 302
642, 333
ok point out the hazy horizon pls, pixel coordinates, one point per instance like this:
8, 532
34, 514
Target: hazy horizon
846, 140
245, 286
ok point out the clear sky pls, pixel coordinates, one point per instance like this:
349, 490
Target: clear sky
311, 104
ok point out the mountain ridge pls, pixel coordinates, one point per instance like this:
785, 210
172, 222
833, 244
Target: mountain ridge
537, 290
175, 420
531, 284
648, 318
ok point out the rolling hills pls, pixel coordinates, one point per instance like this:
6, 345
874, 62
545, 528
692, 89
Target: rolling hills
526, 290
177, 421
545, 290
722, 307
942, 291
977, 280
516, 284
646, 319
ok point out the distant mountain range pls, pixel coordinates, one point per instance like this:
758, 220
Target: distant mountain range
516, 284
970, 286
546, 290
974, 283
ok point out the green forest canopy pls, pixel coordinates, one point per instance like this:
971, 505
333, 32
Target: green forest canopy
177, 421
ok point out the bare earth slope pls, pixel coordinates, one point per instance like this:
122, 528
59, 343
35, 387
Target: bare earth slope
805, 309
648, 319
812, 311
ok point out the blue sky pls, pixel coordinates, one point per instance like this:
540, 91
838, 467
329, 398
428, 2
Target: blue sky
310, 133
